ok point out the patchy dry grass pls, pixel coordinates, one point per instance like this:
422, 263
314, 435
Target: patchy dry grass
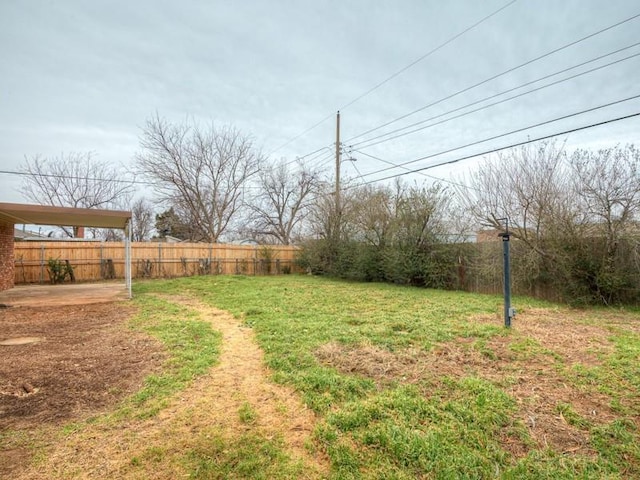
534, 364
371, 381
415, 383
223, 422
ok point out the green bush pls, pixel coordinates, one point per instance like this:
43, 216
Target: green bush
59, 270
434, 266
580, 274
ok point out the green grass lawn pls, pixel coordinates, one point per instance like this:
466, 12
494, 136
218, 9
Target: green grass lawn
460, 423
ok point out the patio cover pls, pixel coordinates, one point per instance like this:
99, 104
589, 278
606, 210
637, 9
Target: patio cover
63, 216
17, 213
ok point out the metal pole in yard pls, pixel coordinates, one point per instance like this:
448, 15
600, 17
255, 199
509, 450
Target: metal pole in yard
509, 312
507, 279
127, 255
42, 263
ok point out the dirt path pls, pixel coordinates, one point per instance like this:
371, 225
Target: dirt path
241, 378
210, 406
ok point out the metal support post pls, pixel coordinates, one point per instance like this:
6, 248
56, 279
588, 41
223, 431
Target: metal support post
509, 312
507, 280
127, 254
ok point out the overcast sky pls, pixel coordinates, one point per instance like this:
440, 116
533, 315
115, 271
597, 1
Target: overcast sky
85, 75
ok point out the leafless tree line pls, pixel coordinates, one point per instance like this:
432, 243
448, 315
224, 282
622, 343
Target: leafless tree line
76, 180
576, 215
572, 214
207, 183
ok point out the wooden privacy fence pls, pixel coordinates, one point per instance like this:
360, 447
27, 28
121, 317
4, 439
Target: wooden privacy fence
105, 260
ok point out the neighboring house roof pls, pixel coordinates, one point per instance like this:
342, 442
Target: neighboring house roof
457, 237
24, 235
170, 239
491, 235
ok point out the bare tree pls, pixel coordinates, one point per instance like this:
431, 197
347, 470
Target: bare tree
142, 220
374, 209
404, 214
283, 201
325, 222
383, 233
608, 183
531, 187
418, 215
201, 172
383, 215
74, 180
575, 218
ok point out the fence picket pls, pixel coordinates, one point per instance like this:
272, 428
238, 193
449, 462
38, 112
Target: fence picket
92, 260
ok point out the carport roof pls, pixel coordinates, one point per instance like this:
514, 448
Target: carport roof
63, 216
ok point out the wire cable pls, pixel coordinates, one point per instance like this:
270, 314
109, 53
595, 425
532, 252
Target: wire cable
302, 157
440, 179
486, 152
371, 141
428, 54
324, 160
52, 175
498, 75
314, 155
353, 164
321, 153
513, 145
394, 75
518, 130
293, 139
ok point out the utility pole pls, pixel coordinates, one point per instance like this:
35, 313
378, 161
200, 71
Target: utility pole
338, 164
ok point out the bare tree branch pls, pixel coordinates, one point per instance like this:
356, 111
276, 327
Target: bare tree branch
200, 172
531, 187
74, 180
142, 220
283, 202
608, 184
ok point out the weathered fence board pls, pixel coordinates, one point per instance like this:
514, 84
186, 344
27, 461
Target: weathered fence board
105, 260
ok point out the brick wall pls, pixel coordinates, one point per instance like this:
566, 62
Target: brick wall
6, 256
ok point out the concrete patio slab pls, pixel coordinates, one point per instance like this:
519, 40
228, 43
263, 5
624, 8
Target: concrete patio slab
59, 295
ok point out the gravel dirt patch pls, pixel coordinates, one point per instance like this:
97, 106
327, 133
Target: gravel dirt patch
85, 361
209, 406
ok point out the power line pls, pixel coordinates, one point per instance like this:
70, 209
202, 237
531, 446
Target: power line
505, 72
486, 152
325, 159
451, 182
93, 179
366, 143
314, 155
518, 130
495, 150
70, 177
429, 53
114, 180
293, 139
394, 75
353, 163
318, 161
481, 83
